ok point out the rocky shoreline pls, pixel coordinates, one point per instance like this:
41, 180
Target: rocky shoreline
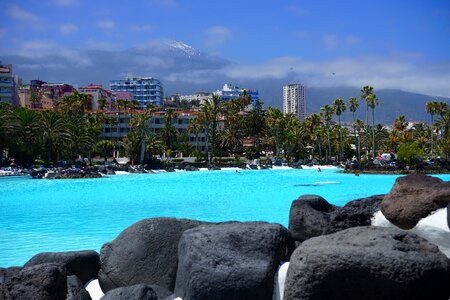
327, 252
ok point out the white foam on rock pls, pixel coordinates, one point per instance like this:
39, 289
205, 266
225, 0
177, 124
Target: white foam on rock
94, 289
280, 280
434, 228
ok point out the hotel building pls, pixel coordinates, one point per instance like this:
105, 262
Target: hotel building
7, 84
146, 90
294, 100
230, 92
97, 92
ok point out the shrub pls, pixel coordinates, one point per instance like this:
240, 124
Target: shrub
410, 153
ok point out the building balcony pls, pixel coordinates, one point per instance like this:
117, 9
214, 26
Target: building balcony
6, 84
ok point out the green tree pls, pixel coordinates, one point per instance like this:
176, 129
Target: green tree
366, 91
353, 106
52, 131
410, 153
102, 102
372, 102
195, 128
327, 115
431, 108
140, 126
169, 133
254, 123
274, 126
339, 108
208, 116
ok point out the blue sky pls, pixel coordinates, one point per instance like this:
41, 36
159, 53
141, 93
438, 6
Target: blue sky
408, 39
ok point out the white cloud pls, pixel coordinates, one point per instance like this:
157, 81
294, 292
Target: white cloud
165, 3
141, 28
39, 49
20, 14
65, 2
101, 45
404, 71
382, 72
67, 28
106, 24
217, 35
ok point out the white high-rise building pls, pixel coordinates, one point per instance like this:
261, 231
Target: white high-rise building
294, 100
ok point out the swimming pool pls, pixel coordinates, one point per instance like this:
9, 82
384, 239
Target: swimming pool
65, 215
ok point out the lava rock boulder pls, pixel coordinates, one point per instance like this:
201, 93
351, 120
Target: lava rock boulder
84, 264
76, 290
368, 263
39, 282
414, 197
309, 216
137, 292
355, 213
231, 260
146, 252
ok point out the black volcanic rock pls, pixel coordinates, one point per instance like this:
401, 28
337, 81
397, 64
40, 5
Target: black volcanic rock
231, 260
414, 197
355, 213
368, 263
39, 282
76, 290
84, 264
134, 292
146, 252
309, 216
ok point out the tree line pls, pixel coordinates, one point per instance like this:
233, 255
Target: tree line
73, 130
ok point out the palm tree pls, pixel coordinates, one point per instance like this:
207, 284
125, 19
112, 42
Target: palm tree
366, 91
169, 133
353, 105
421, 134
208, 116
102, 103
94, 123
340, 107
372, 102
313, 123
141, 126
8, 125
245, 99
23, 134
400, 125
35, 98
195, 128
327, 115
359, 125
52, 130
254, 123
134, 104
79, 140
431, 108
274, 124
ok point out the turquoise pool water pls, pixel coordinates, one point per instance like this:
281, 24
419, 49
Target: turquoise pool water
64, 215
